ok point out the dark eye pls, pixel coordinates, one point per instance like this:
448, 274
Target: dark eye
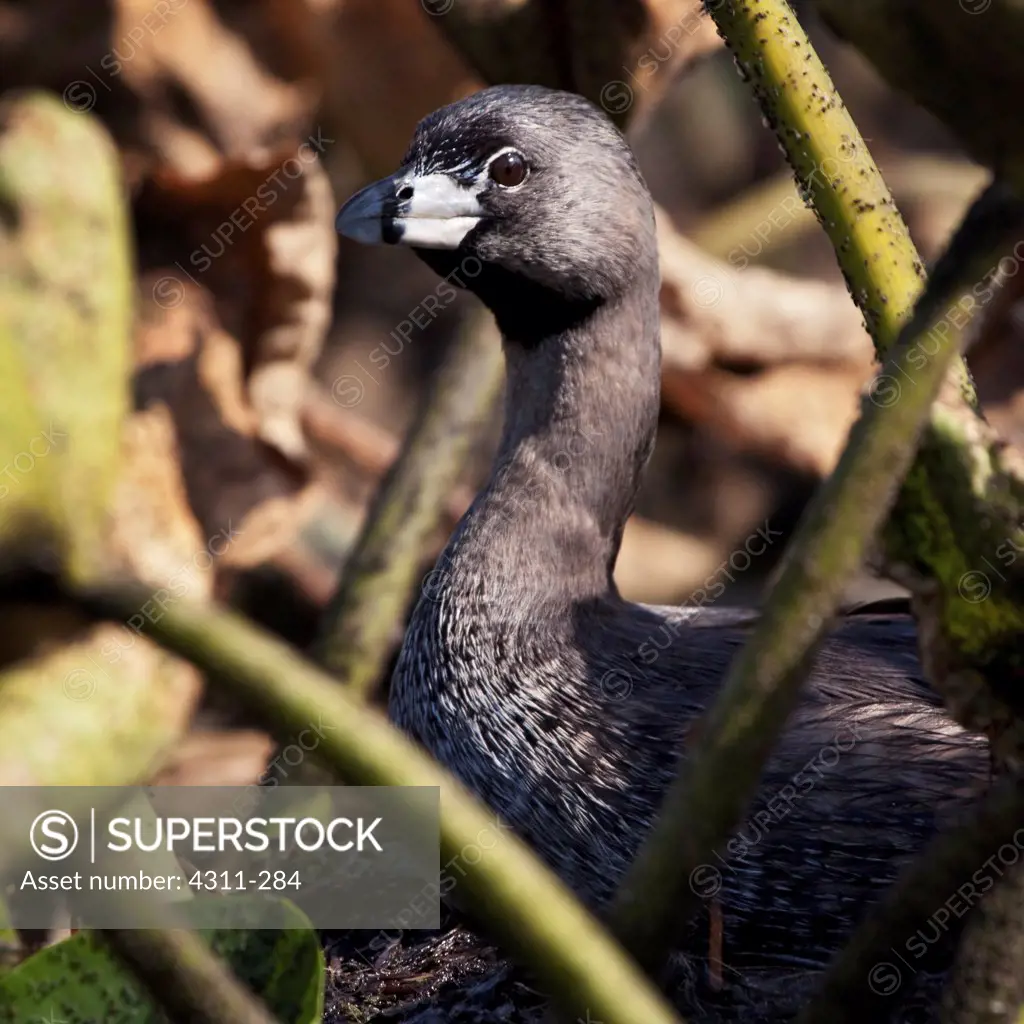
508, 169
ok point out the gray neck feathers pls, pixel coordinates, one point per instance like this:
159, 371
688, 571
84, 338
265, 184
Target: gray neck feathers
581, 411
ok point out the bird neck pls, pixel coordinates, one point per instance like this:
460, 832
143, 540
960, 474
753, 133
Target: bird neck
581, 410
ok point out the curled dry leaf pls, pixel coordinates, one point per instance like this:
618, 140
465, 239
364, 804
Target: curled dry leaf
712, 312
246, 497
245, 181
210, 82
181, 84
797, 415
236, 758
260, 239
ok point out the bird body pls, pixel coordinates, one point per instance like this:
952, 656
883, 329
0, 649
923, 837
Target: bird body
564, 706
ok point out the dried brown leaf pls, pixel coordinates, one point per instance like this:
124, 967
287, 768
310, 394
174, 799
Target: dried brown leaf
236, 758
246, 498
758, 317
797, 415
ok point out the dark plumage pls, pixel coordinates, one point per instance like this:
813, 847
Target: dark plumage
523, 670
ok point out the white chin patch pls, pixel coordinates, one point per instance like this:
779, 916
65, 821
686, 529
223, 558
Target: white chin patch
440, 213
434, 233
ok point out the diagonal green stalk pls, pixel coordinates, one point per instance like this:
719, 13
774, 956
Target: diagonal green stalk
358, 626
830, 160
884, 274
737, 734
520, 900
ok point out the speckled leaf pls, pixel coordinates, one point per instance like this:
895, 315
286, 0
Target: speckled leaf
79, 981
65, 289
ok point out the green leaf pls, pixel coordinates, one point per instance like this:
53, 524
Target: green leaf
65, 318
80, 981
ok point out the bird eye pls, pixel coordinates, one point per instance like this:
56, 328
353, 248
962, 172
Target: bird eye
508, 169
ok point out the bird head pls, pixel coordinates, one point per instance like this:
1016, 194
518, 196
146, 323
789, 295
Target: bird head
534, 193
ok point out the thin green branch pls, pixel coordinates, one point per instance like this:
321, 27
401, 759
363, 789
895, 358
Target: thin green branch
519, 900
358, 626
189, 982
829, 158
738, 733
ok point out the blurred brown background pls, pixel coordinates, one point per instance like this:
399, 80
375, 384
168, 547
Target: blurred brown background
277, 368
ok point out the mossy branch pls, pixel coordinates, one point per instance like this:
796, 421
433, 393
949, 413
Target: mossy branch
358, 626
518, 899
961, 500
961, 510
738, 733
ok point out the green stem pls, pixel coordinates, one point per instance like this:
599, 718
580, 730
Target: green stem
358, 626
739, 731
519, 900
829, 158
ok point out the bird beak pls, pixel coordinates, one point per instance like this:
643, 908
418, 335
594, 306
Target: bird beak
431, 211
